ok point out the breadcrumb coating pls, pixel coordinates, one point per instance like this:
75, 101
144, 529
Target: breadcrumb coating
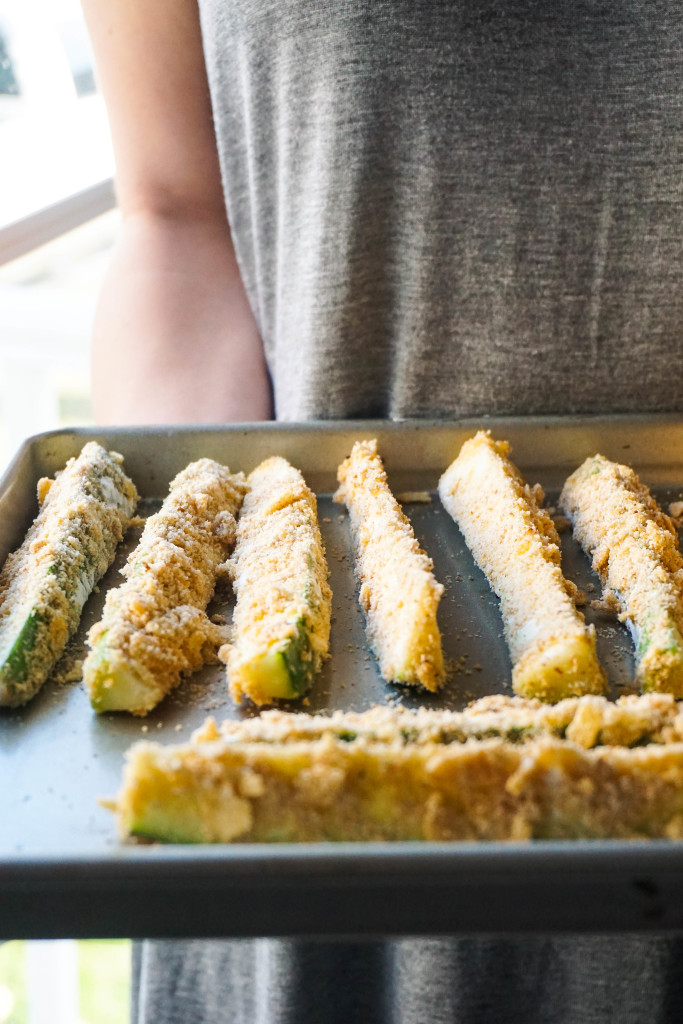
397, 589
515, 542
396, 775
588, 721
634, 548
154, 627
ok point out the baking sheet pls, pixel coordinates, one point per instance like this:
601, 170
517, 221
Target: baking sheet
62, 868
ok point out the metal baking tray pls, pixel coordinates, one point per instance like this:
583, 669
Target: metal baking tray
63, 871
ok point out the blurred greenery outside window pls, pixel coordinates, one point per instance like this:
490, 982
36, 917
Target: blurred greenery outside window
98, 991
55, 148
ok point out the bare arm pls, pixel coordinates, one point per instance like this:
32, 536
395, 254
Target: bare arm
174, 337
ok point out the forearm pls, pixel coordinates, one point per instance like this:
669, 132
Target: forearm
174, 338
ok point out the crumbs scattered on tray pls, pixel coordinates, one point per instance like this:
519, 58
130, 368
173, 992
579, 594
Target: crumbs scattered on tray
69, 668
562, 523
676, 512
414, 498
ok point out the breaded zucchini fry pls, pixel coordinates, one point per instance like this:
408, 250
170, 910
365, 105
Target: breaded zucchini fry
588, 721
282, 616
634, 547
154, 627
356, 786
516, 544
44, 584
398, 591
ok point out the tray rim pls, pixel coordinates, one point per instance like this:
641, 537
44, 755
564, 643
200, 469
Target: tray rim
390, 890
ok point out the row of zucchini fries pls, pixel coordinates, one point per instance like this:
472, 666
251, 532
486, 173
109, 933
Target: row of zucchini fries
155, 629
634, 550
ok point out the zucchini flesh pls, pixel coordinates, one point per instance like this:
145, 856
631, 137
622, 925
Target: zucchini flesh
282, 671
282, 614
116, 684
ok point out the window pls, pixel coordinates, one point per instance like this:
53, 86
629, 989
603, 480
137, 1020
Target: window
56, 174
55, 237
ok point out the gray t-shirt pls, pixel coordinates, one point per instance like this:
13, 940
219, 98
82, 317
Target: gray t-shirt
453, 207
579, 979
447, 207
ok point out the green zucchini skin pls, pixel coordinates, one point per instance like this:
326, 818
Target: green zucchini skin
298, 658
29, 638
45, 583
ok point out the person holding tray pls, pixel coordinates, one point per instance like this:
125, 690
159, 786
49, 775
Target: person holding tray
433, 210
